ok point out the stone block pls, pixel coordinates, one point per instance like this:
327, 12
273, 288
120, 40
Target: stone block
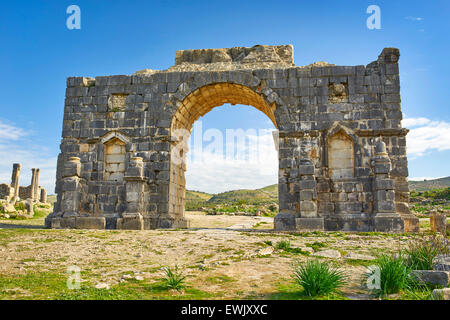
309, 224
438, 222
285, 221
411, 223
130, 223
441, 294
388, 223
90, 223
440, 278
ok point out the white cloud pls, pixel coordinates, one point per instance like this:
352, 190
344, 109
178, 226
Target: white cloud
10, 132
255, 165
423, 178
414, 18
426, 135
17, 147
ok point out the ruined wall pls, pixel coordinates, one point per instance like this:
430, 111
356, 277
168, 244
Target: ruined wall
316, 108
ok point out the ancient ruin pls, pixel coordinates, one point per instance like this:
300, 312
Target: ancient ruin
342, 150
11, 194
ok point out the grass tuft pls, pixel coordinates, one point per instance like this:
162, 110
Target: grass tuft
174, 278
319, 278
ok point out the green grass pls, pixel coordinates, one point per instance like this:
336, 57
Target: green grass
316, 245
174, 278
394, 275
52, 286
319, 278
292, 291
285, 246
421, 251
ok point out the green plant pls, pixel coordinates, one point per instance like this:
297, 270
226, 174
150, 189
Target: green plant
319, 278
174, 278
283, 245
393, 273
316, 245
421, 252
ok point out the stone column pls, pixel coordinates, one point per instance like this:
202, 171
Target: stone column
385, 218
15, 180
132, 218
43, 197
35, 184
309, 218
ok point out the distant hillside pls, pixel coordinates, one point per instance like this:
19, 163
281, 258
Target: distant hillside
266, 195
269, 194
429, 184
263, 195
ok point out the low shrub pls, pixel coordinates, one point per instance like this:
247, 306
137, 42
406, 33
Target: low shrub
174, 278
319, 278
421, 251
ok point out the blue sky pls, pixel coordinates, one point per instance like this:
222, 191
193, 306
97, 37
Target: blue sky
38, 52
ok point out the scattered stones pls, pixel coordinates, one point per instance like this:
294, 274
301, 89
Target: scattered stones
265, 251
441, 262
358, 256
139, 278
441, 294
330, 253
441, 278
102, 285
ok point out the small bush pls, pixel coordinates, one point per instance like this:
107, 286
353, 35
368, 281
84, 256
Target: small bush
319, 278
174, 278
394, 274
422, 251
283, 245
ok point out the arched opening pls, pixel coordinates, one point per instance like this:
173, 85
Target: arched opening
195, 105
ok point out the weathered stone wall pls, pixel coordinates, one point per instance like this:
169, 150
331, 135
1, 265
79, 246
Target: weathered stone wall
311, 106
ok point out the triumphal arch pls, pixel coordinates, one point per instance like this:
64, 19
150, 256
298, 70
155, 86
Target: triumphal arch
341, 146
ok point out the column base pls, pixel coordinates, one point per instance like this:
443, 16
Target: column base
388, 222
349, 222
166, 222
75, 222
284, 221
130, 221
411, 223
309, 224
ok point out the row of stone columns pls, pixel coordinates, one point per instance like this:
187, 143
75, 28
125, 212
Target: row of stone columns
36, 195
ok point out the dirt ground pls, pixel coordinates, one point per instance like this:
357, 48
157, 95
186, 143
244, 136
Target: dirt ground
226, 257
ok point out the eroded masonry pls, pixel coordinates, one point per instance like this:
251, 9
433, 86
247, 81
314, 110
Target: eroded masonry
342, 150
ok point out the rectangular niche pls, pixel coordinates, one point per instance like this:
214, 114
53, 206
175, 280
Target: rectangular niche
340, 156
114, 160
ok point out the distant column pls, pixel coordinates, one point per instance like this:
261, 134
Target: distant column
43, 197
35, 184
15, 180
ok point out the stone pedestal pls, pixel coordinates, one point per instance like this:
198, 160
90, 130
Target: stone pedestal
132, 218
309, 219
385, 218
438, 222
70, 197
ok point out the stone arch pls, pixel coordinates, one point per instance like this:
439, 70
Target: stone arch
188, 105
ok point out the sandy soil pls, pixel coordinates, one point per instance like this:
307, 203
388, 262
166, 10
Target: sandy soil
220, 254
